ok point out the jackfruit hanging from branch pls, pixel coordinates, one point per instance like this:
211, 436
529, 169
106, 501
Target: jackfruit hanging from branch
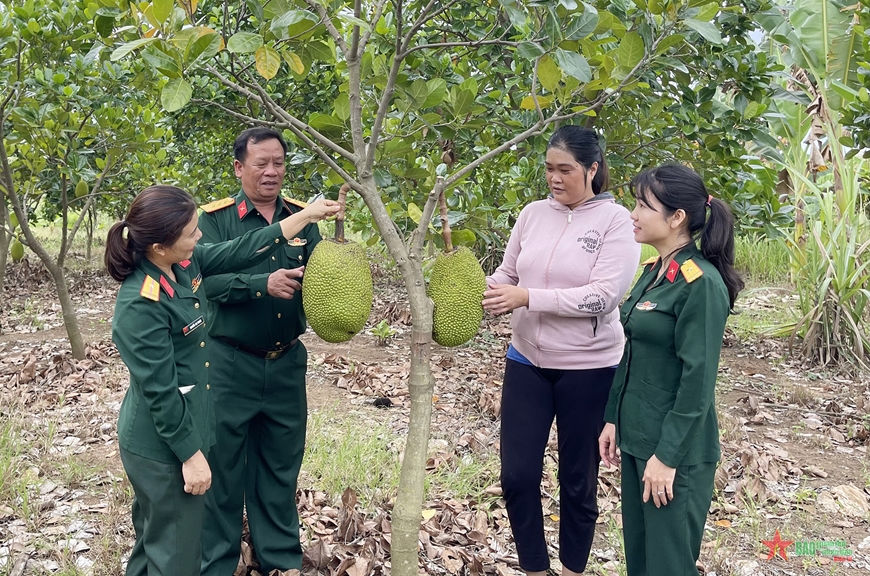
337, 285
456, 288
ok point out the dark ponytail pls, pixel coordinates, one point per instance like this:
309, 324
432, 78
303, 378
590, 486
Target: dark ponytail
157, 215
678, 187
582, 144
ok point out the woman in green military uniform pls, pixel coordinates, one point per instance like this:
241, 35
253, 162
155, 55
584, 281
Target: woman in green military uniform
661, 413
165, 426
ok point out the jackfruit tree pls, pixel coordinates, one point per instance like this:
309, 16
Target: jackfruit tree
72, 128
407, 99
338, 285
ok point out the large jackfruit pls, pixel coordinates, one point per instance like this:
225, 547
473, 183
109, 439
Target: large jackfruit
17, 250
337, 290
456, 288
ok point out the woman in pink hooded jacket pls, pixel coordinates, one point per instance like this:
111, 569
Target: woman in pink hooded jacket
569, 261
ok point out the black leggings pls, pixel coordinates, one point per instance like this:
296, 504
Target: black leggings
531, 397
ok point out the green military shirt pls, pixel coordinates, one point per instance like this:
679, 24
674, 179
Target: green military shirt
159, 328
662, 399
240, 307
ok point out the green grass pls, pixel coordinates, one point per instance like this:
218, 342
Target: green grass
762, 261
344, 451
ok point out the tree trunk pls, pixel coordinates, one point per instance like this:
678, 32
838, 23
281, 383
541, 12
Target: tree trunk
90, 226
5, 240
70, 322
409, 499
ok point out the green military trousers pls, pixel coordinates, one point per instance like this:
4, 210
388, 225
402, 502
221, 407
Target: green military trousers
260, 417
167, 520
665, 541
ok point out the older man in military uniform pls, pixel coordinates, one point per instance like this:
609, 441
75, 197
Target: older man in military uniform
258, 370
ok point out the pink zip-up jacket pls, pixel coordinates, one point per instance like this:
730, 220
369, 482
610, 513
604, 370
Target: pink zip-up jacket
577, 265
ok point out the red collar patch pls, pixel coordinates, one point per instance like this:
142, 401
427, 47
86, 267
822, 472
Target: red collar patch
673, 269
243, 209
167, 287
184, 264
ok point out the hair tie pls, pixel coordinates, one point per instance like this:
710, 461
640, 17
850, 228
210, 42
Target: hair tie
709, 201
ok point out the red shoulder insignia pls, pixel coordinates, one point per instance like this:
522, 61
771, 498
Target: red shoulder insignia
218, 204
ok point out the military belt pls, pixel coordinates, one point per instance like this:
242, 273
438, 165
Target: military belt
265, 354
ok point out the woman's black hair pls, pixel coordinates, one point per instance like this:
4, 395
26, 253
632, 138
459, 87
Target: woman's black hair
582, 144
157, 215
678, 187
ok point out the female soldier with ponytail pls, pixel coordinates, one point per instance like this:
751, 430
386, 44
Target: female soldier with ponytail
661, 413
165, 427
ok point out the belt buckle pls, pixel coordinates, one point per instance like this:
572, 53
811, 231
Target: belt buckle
272, 354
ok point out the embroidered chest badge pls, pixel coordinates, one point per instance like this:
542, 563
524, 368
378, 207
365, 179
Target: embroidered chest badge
298, 241
646, 305
194, 284
193, 326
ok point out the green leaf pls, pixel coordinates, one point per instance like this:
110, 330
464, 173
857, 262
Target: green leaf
203, 48
416, 173
325, 123
104, 25
669, 42
162, 61
292, 17
175, 94
582, 25
353, 20
437, 89
162, 9
267, 61
244, 43
418, 92
125, 49
414, 212
630, 51
469, 84
529, 50
706, 29
707, 12
341, 106
573, 64
463, 237
462, 101
549, 73
320, 50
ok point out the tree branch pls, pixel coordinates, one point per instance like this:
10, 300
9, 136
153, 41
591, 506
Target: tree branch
279, 112
386, 98
419, 235
472, 44
330, 27
379, 11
